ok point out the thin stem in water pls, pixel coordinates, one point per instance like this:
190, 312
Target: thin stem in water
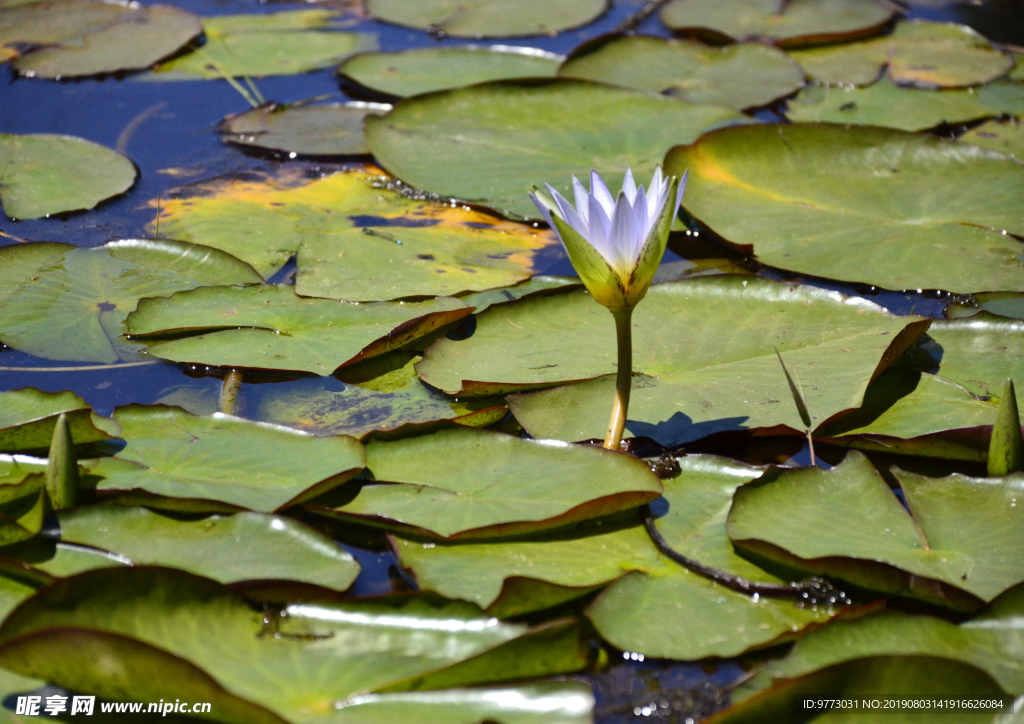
812, 591
624, 377
229, 392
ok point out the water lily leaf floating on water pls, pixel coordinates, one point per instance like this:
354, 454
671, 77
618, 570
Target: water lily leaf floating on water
46, 173
285, 43
240, 547
422, 70
481, 483
488, 18
325, 129
1006, 137
958, 545
990, 640
787, 24
327, 655
79, 38
918, 53
271, 327
898, 678
450, 142
386, 402
682, 391
651, 605
742, 75
903, 206
1002, 304
908, 109
946, 389
72, 306
220, 462
28, 416
360, 236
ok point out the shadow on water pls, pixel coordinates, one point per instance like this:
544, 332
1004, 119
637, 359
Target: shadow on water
681, 429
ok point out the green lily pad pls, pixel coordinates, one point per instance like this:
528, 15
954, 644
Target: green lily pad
918, 53
902, 208
422, 70
789, 24
22, 508
1003, 136
992, 641
271, 327
73, 307
241, 547
357, 235
485, 484
553, 702
385, 403
27, 418
87, 38
658, 609
907, 412
284, 43
878, 690
223, 460
489, 18
14, 469
939, 413
46, 173
909, 109
149, 620
510, 578
682, 392
681, 615
329, 129
978, 353
451, 142
956, 547
742, 75
541, 284
1002, 304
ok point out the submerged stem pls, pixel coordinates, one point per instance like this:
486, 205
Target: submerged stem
229, 392
624, 377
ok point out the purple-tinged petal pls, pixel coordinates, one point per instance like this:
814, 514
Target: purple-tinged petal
629, 186
569, 215
600, 231
582, 199
599, 191
682, 188
544, 210
624, 236
641, 214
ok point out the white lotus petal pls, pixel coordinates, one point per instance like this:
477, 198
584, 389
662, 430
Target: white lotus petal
641, 214
629, 186
582, 199
600, 229
542, 208
569, 214
600, 192
624, 235
682, 188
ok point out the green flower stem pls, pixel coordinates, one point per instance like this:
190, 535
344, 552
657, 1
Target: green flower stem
229, 392
624, 379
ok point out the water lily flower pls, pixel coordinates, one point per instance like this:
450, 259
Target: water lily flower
615, 245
